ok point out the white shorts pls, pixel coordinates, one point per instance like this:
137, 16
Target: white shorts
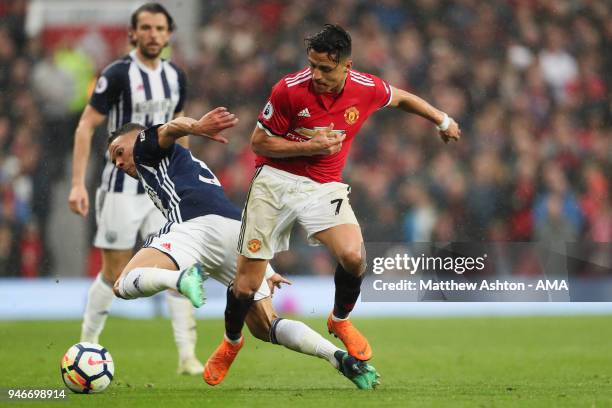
277, 199
121, 217
210, 240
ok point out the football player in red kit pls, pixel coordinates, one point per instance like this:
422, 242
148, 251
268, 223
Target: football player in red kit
302, 141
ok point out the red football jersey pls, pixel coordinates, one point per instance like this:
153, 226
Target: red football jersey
295, 111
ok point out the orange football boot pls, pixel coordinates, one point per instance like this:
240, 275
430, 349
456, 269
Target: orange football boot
356, 344
219, 363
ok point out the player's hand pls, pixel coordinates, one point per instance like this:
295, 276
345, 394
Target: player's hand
215, 121
275, 281
326, 141
452, 133
78, 200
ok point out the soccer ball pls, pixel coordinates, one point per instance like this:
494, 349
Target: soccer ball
87, 368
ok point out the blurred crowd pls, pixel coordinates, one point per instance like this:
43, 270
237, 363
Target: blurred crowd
24, 185
529, 81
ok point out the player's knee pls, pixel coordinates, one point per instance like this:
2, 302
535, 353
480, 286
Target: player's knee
108, 276
353, 261
113, 263
111, 272
243, 290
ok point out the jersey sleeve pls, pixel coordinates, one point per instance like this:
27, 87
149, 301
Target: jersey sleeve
107, 90
274, 118
382, 93
147, 150
182, 82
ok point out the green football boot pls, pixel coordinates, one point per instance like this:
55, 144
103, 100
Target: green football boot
363, 375
191, 284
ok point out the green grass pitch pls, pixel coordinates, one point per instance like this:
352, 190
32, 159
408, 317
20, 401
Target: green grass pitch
471, 362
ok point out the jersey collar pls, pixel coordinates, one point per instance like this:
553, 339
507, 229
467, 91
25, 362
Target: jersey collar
142, 66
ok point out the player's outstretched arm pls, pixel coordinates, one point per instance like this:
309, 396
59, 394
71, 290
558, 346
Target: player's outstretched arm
321, 142
447, 127
183, 141
78, 200
209, 125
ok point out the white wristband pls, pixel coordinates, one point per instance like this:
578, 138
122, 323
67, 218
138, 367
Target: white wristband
445, 124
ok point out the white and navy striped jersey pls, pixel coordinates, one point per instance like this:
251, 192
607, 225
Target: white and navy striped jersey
181, 186
128, 91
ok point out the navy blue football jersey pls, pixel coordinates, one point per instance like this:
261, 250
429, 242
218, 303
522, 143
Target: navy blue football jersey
181, 186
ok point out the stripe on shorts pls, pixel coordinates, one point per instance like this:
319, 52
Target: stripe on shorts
164, 230
244, 214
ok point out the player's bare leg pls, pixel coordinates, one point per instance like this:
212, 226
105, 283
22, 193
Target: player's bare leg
151, 271
240, 294
345, 242
259, 319
100, 296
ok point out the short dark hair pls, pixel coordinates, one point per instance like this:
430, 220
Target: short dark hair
153, 8
332, 39
128, 127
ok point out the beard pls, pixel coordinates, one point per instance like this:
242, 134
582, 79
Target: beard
151, 53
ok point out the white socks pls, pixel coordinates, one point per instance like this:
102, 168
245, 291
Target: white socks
144, 282
99, 300
298, 337
182, 314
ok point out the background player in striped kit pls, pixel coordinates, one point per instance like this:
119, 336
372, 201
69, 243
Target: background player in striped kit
146, 89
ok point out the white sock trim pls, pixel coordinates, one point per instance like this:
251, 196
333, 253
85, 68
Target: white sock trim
233, 342
338, 319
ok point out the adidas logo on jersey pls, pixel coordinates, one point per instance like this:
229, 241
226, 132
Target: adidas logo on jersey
304, 113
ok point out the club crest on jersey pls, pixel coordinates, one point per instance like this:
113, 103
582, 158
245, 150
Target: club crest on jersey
101, 85
351, 115
254, 245
167, 245
268, 111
